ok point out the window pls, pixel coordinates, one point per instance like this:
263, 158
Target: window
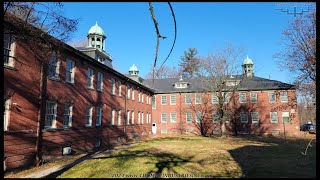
8, 49
90, 78
132, 93
243, 117
253, 97
188, 117
6, 115
89, 116
100, 81
284, 97
99, 116
128, 93
226, 117
51, 114
147, 118
132, 117
225, 97
173, 100
163, 117
120, 88
255, 117
163, 100
138, 117
173, 117
188, 99
153, 102
198, 99
142, 97
272, 97
147, 100
128, 117
242, 97
274, 117
150, 120
215, 116
215, 99
113, 114
67, 115
141, 117
53, 68
113, 84
285, 117
138, 95
198, 117
119, 117
70, 71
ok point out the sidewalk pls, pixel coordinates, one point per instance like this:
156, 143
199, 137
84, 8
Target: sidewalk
54, 171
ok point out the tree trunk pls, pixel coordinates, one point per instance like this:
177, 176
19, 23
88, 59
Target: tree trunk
223, 129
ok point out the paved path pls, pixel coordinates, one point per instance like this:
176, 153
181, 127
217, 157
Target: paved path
56, 169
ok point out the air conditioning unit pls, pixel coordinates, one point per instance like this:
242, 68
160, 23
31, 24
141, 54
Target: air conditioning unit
66, 150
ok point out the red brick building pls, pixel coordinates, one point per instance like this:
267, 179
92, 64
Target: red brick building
87, 103
262, 106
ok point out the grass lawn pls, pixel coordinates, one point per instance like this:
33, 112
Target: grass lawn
192, 156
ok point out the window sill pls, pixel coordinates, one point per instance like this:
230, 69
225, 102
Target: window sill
89, 126
99, 90
54, 79
11, 67
90, 88
245, 122
71, 83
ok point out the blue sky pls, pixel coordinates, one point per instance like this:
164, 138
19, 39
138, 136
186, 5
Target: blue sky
131, 35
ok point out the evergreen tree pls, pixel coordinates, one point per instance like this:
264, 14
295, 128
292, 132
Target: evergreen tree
189, 63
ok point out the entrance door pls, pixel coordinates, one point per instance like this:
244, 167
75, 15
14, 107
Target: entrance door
154, 128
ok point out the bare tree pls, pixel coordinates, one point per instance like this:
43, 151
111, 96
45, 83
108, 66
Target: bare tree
218, 74
299, 55
164, 72
79, 43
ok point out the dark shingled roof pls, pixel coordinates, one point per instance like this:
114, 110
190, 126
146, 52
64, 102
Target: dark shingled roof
195, 84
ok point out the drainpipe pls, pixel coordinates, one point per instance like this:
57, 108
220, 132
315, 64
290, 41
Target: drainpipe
125, 107
180, 114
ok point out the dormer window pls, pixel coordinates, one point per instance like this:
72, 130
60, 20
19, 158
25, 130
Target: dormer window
181, 85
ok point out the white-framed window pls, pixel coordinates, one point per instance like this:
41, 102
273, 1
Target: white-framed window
128, 93
274, 117
173, 117
53, 71
138, 117
8, 49
198, 99
188, 99
113, 114
214, 99
163, 100
173, 100
147, 100
119, 117
67, 115
272, 97
132, 93
90, 78
99, 116
254, 97
142, 99
70, 71
139, 98
189, 117
255, 117
132, 117
226, 116
243, 117
113, 85
215, 115
89, 116
163, 117
51, 114
153, 102
286, 117
128, 117
225, 97
100, 82
198, 117
120, 88
6, 114
141, 117
284, 97
150, 120
242, 97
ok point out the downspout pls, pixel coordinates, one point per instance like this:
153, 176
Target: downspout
180, 114
125, 107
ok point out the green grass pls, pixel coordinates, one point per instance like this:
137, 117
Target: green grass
214, 157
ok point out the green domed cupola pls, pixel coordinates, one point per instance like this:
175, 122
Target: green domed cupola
133, 70
96, 37
247, 67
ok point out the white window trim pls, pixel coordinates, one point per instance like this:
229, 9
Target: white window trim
12, 51
132, 117
162, 118
286, 97
162, 100
171, 120
54, 120
69, 115
252, 120
120, 88
141, 117
90, 116
272, 122
241, 117
188, 95
245, 98
138, 117
199, 95
90, 78
142, 97
99, 116
119, 117
71, 70
283, 112
213, 97
7, 114
153, 104
275, 97
256, 96
113, 114
113, 86
57, 65
128, 91
128, 117
132, 93
100, 83
175, 98
188, 122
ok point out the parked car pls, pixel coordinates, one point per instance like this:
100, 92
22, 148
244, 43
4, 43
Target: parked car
308, 127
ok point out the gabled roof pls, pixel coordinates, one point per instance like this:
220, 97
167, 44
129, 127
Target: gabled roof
195, 84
